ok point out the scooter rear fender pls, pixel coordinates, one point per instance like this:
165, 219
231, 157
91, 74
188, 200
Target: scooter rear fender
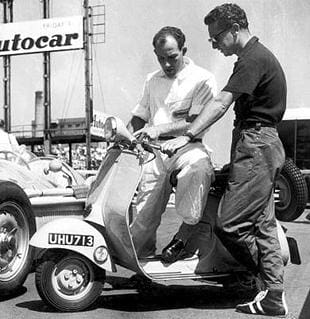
74, 235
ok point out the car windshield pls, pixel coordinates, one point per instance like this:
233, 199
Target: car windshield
23, 176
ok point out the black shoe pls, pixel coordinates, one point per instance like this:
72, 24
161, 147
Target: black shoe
268, 303
173, 251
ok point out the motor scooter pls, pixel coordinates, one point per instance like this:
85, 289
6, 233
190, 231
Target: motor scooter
74, 255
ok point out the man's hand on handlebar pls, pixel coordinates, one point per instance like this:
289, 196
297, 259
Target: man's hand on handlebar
151, 132
171, 146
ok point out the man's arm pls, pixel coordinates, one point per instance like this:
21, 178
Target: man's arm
136, 123
213, 112
208, 116
169, 129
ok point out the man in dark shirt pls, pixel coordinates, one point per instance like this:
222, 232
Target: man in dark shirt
246, 219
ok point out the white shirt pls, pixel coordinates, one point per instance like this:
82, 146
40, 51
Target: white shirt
166, 100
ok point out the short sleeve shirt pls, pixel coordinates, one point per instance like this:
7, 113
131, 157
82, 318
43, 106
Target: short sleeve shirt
259, 78
165, 100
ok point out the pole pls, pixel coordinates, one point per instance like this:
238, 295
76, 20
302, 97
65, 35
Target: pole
88, 85
47, 88
7, 18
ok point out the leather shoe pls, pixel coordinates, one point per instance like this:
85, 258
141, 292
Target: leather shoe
172, 251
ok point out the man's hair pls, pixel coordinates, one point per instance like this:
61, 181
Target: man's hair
226, 15
2, 124
161, 35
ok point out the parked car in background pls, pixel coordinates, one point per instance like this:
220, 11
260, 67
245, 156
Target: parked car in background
33, 191
294, 182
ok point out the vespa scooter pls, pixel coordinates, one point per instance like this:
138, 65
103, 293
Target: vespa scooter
74, 255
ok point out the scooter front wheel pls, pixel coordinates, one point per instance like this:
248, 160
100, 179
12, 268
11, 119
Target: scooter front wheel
67, 283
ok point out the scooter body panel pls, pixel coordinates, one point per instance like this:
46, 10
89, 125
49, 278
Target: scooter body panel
113, 194
74, 235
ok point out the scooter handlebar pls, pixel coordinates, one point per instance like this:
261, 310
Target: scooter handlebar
155, 146
146, 143
148, 146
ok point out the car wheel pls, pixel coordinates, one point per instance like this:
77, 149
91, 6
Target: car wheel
17, 225
293, 192
67, 283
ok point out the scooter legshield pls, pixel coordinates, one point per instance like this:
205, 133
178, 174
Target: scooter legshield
75, 235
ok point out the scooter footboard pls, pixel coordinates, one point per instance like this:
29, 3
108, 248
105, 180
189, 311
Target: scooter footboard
74, 235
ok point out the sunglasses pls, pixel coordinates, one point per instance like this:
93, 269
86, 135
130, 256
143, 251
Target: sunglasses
215, 38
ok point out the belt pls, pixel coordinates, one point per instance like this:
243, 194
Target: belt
166, 138
242, 125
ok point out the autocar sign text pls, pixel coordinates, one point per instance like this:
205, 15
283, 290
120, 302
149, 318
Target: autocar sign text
45, 35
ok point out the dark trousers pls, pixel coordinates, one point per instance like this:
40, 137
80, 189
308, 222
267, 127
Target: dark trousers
246, 221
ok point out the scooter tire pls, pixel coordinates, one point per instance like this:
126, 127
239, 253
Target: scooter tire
61, 288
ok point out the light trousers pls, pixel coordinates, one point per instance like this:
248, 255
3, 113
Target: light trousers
194, 176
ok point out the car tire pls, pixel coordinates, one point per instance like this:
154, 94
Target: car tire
17, 225
293, 192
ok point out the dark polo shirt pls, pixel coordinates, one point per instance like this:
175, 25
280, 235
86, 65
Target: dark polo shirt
259, 78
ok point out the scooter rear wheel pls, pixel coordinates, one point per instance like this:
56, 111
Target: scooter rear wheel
67, 283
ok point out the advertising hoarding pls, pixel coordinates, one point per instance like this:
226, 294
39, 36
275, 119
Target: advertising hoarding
46, 35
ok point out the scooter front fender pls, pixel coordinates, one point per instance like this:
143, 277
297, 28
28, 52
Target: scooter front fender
74, 235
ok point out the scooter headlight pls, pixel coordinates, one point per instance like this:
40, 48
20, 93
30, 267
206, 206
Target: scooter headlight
101, 254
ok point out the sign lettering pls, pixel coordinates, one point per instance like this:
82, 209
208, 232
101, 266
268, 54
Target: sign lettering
56, 34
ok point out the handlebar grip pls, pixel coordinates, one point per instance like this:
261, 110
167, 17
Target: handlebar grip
155, 146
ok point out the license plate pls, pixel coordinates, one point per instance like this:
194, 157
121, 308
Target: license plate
71, 239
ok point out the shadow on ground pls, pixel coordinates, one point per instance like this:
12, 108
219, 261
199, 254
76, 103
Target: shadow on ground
121, 294
16, 293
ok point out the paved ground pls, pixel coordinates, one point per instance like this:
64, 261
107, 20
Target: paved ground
191, 300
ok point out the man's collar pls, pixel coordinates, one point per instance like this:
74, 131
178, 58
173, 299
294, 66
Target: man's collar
248, 46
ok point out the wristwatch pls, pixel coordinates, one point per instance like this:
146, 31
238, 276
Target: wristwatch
190, 135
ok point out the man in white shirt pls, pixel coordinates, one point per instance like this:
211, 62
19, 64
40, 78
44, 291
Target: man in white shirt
172, 97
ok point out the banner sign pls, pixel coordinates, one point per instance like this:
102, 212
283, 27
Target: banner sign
97, 126
57, 34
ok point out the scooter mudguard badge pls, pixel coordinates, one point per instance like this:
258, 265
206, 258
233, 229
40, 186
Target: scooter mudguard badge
75, 235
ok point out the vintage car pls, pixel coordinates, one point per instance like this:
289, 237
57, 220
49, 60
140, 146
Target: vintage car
33, 191
294, 183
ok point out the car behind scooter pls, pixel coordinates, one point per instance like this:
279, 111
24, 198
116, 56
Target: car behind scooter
74, 255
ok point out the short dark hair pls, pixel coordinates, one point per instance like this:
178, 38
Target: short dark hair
161, 35
226, 15
2, 124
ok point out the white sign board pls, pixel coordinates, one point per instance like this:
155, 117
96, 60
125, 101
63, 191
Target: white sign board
57, 34
302, 113
96, 127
